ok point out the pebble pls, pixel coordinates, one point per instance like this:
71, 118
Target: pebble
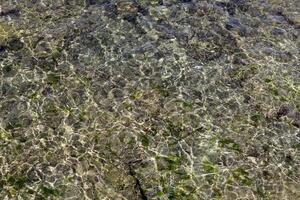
293, 18
15, 44
185, 1
10, 10
278, 31
283, 110
234, 24
126, 7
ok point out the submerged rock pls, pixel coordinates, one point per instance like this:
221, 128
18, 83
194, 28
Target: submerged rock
233, 24
278, 31
149, 99
293, 18
15, 44
8, 10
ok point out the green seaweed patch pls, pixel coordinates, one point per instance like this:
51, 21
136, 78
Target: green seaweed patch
56, 53
171, 162
161, 90
208, 166
53, 79
242, 176
145, 140
136, 94
297, 146
82, 116
6, 32
186, 104
30, 191
283, 99
163, 184
149, 2
178, 193
260, 191
10, 180
48, 191
217, 195
257, 117
173, 129
20, 183
67, 109
183, 175
274, 92
9, 71
267, 80
159, 194
21, 122
5, 136
51, 108
229, 144
243, 73
17, 183
15, 44
13, 125
127, 105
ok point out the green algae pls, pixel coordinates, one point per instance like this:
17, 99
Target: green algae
5, 136
53, 78
209, 167
179, 194
48, 191
242, 176
145, 140
230, 144
9, 71
297, 146
198, 115
258, 117
6, 32
187, 104
161, 90
17, 182
169, 163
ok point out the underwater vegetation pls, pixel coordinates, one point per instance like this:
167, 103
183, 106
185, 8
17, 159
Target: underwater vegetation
150, 99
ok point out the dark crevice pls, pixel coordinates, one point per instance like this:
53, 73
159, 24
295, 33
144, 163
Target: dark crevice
96, 2
2, 48
10, 12
137, 183
288, 20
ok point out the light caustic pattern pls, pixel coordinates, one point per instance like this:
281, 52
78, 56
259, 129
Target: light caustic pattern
150, 99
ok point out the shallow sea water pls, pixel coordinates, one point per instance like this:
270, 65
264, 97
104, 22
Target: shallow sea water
150, 99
